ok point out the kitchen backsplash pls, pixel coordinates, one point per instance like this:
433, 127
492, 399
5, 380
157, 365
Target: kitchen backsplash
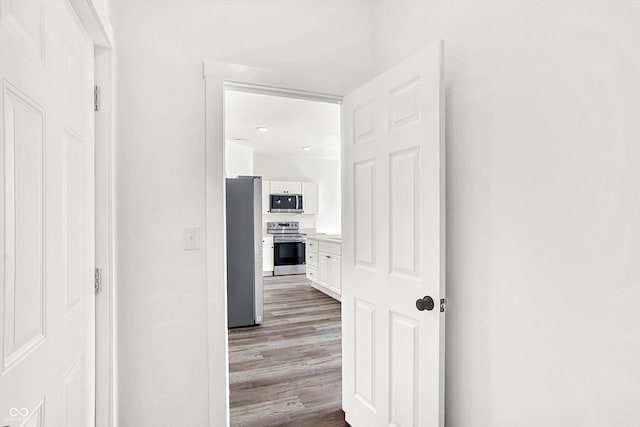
305, 221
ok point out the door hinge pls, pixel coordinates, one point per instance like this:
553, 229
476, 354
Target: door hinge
443, 305
96, 98
97, 280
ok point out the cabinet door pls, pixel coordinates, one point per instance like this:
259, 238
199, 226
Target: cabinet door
278, 187
323, 269
294, 188
310, 197
265, 196
267, 257
334, 273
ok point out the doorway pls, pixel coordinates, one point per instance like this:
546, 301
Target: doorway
287, 368
393, 267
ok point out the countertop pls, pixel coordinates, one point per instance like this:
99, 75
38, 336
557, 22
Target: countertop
334, 238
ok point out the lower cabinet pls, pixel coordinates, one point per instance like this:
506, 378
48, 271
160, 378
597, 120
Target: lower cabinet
267, 256
324, 267
329, 271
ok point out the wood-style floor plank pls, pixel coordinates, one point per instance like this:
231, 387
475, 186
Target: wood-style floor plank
288, 370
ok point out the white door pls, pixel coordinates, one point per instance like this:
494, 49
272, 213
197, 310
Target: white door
393, 253
47, 216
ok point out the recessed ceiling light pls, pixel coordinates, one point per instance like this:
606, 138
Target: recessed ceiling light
239, 139
306, 148
262, 129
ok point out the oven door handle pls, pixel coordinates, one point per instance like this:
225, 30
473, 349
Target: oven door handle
282, 239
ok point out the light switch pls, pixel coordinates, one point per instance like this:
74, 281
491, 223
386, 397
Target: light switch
191, 238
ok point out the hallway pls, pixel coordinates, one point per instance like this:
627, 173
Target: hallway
288, 370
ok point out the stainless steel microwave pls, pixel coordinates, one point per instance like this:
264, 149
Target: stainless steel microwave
285, 203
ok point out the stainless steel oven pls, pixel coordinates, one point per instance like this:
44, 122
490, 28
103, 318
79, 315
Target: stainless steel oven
288, 256
288, 247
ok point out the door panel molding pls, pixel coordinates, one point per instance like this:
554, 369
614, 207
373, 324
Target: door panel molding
24, 137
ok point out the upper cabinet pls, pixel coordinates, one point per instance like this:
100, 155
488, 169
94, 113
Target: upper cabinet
310, 198
265, 196
286, 187
309, 191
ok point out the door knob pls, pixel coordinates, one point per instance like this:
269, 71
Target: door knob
425, 303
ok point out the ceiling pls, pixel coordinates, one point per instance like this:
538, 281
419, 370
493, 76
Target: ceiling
292, 123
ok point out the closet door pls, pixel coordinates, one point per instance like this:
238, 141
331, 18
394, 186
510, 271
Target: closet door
47, 317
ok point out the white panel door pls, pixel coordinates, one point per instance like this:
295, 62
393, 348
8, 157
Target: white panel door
393, 246
46, 216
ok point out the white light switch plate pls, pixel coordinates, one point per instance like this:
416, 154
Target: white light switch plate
191, 238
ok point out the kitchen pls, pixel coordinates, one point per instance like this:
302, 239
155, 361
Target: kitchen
282, 158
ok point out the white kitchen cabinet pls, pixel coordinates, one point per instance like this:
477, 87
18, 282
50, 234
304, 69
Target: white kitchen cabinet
312, 274
266, 190
334, 275
286, 187
309, 191
323, 270
311, 255
267, 255
310, 198
329, 271
277, 187
294, 188
324, 265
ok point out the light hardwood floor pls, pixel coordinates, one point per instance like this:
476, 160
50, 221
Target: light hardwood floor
288, 370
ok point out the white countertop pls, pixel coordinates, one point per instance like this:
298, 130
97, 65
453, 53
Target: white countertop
334, 238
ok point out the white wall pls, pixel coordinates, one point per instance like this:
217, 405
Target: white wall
102, 8
238, 159
326, 172
160, 175
543, 198
543, 205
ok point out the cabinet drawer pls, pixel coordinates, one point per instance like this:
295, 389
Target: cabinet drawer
312, 273
312, 246
267, 240
312, 259
330, 247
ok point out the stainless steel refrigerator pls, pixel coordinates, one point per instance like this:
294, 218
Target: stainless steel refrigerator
244, 251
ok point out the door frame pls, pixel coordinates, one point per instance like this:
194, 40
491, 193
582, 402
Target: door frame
105, 240
98, 28
219, 76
